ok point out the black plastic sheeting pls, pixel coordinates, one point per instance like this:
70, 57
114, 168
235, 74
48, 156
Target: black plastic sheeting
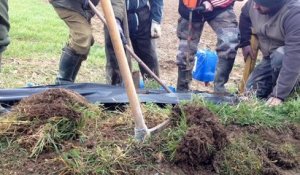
111, 95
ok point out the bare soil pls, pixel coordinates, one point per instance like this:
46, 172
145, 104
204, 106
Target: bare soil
203, 139
51, 103
42, 114
203, 146
200, 151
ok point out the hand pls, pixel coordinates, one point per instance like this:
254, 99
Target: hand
122, 35
273, 101
247, 51
208, 6
155, 29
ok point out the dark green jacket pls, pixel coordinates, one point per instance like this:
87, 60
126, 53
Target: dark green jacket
75, 5
4, 25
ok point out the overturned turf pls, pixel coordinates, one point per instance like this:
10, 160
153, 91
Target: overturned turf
208, 146
204, 137
51, 103
230, 150
43, 121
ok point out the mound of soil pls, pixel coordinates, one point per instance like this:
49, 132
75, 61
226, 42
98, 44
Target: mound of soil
49, 118
51, 103
205, 136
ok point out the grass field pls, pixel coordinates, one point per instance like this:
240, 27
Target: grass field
37, 37
105, 144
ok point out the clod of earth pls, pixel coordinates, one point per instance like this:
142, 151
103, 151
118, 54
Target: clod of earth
43, 121
205, 136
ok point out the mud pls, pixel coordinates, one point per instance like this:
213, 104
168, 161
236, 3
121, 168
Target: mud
47, 120
51, 103
203, 145
204, 138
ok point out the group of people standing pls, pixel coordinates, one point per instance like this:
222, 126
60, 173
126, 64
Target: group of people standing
275, 22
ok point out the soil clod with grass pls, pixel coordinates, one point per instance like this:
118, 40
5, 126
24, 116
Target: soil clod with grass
44, 120
195, 142
204, 137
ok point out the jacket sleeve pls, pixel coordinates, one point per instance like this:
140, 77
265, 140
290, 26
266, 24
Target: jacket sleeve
4, 25
245, 25
156, 10
119, 9
290, 70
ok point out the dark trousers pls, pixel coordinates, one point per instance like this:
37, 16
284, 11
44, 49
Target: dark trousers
265, 74
143, 46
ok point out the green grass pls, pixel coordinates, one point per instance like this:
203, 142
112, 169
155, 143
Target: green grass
36, 30
255, 112
240, 159
37, 36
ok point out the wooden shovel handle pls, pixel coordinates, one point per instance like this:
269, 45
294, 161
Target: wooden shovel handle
123, 64
250, 63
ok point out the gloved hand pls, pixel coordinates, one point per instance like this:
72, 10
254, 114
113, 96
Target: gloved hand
155, 29
247, 51
123, 38
208, 6
273, 101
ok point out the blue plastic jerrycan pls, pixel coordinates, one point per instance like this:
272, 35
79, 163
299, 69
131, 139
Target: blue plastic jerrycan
205, 65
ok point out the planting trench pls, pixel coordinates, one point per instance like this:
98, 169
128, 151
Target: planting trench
206, 147
233, 149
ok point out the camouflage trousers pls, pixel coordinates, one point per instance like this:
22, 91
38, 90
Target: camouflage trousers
263, 78
226, 28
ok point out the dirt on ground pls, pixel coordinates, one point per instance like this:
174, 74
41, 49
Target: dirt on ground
42, 121
206, 145
51, 103
206, 148
203, 139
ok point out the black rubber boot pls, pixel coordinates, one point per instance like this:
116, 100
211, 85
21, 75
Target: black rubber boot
184, 79
69, 66
224, 68
76, 70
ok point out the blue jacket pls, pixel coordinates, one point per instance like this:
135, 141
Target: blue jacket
156, 7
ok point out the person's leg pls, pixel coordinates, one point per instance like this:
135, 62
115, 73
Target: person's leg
260, 80
4, 27
226, 27
143, 44
113, 74
276, 63
68, 66
77, 48
186, 51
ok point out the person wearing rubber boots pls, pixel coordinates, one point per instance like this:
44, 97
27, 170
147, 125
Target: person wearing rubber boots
77, 15
113, 74
4, 38
277, 26
144, 18
221, 18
